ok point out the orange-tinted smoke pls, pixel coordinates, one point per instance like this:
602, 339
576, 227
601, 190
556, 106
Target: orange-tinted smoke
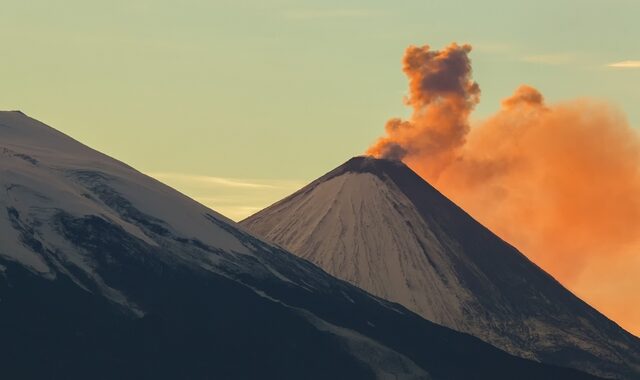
442, 96
559, 181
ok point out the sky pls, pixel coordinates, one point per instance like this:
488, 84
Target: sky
239, 103
283, 91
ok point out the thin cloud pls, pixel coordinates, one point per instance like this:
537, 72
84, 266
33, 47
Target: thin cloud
513, 52
218, 181
235, 198
492, 47
238, 206
307, 14
236, 213
625, 65
549, 59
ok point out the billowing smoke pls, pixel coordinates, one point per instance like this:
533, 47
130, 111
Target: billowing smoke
442, 96
559, 181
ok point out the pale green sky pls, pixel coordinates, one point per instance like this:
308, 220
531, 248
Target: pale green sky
275, 93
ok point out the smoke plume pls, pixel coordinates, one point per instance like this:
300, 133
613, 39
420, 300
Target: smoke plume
561, 182
442, 96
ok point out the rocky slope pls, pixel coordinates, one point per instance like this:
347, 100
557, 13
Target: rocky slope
106, 273
378, 225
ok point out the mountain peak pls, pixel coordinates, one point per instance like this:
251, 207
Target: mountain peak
12, 112
380, 167
12, 116
377, 224
368, 164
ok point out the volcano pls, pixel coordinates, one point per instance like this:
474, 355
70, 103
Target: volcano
378, 225
106, 273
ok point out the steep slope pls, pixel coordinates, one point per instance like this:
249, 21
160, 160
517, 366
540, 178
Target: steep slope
107, 273
378, 225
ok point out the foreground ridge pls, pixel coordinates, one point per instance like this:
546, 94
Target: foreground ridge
107, 273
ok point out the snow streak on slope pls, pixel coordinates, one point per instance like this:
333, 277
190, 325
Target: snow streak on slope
379, 226
45, 174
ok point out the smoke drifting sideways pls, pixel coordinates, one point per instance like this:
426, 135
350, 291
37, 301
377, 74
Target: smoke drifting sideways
561, 182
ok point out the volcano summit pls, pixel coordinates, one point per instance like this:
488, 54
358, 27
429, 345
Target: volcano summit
376, 224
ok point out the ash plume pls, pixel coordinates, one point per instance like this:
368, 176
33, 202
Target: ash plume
442, 95
559, 181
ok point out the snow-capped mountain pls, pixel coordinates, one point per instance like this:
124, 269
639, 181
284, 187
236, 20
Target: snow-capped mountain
106, 273
378, 225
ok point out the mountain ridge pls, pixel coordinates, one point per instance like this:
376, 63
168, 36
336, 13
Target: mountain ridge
108, 273
420, 249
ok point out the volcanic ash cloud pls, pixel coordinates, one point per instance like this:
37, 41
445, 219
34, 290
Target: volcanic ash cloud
442, 95
559, 181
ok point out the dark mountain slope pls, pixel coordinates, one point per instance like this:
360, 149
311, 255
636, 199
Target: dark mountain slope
378, 225
107, 273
